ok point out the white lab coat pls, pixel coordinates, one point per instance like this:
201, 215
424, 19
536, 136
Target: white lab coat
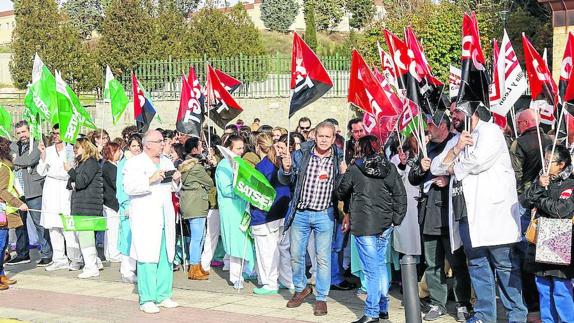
406, 237
489, 187
150, 208
55, 195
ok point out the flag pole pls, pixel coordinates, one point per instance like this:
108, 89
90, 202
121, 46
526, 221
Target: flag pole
537, 121
289, 122
346, 134
513, 117
555, 139
208, 107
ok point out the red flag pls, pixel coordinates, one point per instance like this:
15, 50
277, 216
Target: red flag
396, 102
224, 108
230, 83
399, 53
309, 79
541, 82
474, 80
566, 65
143, 107
388, 67
496, 85
365, 91
189, 115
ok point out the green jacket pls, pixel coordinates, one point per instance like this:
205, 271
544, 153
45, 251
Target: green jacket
195, 185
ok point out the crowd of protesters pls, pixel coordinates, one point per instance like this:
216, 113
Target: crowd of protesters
461, 205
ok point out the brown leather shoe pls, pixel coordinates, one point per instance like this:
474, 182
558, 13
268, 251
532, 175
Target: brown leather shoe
3, 287
299, 297
196, 273
190, 272
203, 271
320, 308
5, 281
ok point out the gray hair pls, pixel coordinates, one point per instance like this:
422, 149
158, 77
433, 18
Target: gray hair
148, 134
326, 124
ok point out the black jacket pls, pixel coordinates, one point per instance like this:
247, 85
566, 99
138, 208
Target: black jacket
556, 202
109, 174
87, 188
433, 205
525, 156
378, 197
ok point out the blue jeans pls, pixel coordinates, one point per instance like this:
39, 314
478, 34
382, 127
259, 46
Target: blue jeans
556, 302
321, 223
372, 252
3, 245
197, 231
22, 239
505, 263
337, 247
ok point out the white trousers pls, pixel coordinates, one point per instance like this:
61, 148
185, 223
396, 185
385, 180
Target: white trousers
128, 266
65, 242
269, 261
211, 238
87, 240
111, 237
235, 269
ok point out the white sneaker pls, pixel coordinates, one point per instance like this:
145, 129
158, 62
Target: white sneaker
149, 308
74, 266
133, 279
99, 264
168, 303
57, 266
238, 285
89, 274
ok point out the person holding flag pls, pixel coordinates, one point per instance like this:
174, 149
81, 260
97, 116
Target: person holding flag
149, 180
312, 172
87, 199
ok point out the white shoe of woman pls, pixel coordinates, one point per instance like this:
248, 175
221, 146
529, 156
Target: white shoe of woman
168, 303
149, 308
89, 274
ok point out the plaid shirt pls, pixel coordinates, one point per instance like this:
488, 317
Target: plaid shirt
317, 190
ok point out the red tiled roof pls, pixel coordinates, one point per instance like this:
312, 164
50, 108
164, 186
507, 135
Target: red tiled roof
6, 13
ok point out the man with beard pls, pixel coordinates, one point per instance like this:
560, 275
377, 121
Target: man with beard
483, 196
433, 217
26, 159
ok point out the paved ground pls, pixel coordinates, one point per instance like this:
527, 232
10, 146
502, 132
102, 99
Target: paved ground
40, 296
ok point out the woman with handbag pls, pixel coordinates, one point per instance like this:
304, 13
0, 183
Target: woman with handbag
194, 204
551, 195
9, 206
87, 199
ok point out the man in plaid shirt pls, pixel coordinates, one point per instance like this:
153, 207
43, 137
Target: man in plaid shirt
312, 171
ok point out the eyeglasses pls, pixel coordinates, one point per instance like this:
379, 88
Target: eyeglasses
548, 162
304, 128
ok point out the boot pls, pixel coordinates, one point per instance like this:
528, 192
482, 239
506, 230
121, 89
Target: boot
190, 272
206, 273
197, 274
3, 287
5, 281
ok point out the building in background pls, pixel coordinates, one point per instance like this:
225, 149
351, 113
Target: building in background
7, 24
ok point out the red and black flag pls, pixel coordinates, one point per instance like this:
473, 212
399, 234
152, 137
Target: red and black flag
223, 107
190, 116
543, 89
365, 91
143, 107
399, 53
422, 87
474, 85
230, 83
309, 79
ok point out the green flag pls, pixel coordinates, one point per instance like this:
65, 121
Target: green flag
83, 223
41, 95
248, 182
412, 126
115, 94
5, 123
33, 119
71, 113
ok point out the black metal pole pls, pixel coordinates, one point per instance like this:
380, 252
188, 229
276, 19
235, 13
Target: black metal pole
410, 289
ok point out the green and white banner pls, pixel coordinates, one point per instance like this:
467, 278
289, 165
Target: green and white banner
248, 182
71, 113
83, 223
41, 95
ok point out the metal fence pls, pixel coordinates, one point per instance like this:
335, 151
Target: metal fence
262, 76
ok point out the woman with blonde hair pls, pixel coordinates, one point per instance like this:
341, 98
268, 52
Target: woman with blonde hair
271, 245
87, 199
278, 132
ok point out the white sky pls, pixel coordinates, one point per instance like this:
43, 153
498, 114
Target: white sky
5, 5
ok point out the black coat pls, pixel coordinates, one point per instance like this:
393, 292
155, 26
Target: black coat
556, 202
377, 193
87, 188
109, 174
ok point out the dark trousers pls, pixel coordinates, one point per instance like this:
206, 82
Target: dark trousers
436, 250
22, 239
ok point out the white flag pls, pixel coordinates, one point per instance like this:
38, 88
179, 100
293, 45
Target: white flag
513, 80
453, 81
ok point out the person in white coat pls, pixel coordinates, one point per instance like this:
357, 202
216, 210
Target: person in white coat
481, 212
56, 201
149, 179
